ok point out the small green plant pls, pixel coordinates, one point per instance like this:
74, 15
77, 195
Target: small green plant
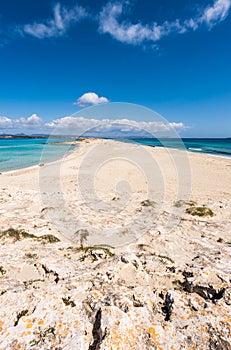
49, 239
95, 252
165, 257
48, 333
31, 256
199, 211
67, 301
148, 203
180, 203
142, 246
33, 283
17, 235
2, 271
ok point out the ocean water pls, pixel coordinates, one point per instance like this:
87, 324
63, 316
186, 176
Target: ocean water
22, 153
219, 147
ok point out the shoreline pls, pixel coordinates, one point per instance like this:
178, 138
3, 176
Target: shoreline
203, 165
87, 140
36, 166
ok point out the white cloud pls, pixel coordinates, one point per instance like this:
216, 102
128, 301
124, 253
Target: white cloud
57, 26
126, 32
90, 98
216, 13
138, 33
77, 126
80, 125
31, 122
5, 122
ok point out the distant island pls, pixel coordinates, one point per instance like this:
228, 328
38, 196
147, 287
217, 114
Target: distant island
34, 136
22, 136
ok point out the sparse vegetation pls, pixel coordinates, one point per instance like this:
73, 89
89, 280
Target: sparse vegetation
18, 235
199, 211
180, 203
67, 301
142, 246
33, 283
42, 336
2, 270
95, 252
193, 209
148, 203
49, 239
31, 256
164, 257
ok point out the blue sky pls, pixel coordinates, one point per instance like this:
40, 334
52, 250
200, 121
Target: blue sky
170, 56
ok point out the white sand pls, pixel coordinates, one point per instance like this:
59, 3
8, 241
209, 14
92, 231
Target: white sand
82, 186
94, 196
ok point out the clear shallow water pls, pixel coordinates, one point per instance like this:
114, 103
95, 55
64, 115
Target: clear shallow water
22, 153
219, 147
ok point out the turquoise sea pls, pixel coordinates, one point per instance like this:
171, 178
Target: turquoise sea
21, 153
25, 152
219, 147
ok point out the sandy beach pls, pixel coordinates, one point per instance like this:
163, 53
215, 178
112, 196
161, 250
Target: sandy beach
117, 246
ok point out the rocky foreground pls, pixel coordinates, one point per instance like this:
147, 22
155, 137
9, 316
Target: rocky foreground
57, 295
